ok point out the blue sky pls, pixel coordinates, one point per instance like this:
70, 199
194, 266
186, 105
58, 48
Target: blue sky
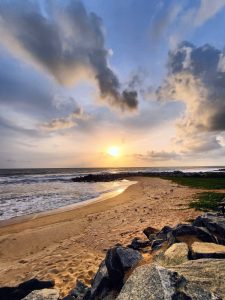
116, 72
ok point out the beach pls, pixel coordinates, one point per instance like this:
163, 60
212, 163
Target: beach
70, 245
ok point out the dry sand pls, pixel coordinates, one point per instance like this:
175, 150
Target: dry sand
71, 244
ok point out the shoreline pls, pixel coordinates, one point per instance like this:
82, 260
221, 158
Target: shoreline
70, 245
62, 209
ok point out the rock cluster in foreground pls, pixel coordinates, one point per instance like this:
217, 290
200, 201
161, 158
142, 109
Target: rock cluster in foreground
188, 264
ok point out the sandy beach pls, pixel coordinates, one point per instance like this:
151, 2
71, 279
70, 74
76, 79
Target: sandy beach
70, 245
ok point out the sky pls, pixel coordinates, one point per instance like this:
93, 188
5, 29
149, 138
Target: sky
79, 77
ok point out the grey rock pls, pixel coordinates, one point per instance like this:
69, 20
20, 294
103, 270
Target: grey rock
215, 223
206, 273
154, 282
118, 261
45, 294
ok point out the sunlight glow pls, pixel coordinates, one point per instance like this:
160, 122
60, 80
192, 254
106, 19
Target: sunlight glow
113, 151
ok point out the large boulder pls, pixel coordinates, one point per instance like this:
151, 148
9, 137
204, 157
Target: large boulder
207, 250
118, 261
189, 230
23, 289
154, 282
207, 273
215, 223
45, 294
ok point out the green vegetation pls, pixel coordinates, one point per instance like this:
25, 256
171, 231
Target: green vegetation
199, 182
207, 201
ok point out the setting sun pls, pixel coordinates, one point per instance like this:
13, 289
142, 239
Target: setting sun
113, 151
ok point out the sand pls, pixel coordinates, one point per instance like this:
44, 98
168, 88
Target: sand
70, 245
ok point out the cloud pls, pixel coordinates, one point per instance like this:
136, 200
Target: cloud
175, 21
196, 78
207, 10
66, 41
158, 156
67, 122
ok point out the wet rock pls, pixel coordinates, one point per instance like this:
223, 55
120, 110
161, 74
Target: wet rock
118, 261
137, 244
207, 250
23, 289
154, 282
45, 294
215, 223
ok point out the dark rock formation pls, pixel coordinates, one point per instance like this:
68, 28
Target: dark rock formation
207, 250
186, 229
104, 177
118, 261
215, 223
23, 289
109, 279
138, 244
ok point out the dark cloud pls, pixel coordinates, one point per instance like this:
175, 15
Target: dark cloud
196, 77
68, 43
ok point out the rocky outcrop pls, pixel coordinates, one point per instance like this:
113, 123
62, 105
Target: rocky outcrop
23, 289
104, 177
45, 294
207, 250
158, 283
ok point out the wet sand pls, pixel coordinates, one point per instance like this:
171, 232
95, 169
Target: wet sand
69, 245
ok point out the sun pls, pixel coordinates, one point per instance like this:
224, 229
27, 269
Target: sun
113, 151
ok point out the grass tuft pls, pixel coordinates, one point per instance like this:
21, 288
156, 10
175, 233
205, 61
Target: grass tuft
207, 201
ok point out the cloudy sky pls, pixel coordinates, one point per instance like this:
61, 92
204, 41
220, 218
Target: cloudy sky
77, 77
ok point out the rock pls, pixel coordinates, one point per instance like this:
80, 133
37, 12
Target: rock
101, 284
207, 250
118, 261
79, 291
176, 254
207, 273
45, 294
23, 289
154, 282
149, 231
137, 244
187, 229
215, 224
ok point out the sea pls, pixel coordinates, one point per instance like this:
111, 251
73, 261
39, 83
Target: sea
30, 191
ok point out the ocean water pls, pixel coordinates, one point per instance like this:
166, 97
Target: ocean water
28, 191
